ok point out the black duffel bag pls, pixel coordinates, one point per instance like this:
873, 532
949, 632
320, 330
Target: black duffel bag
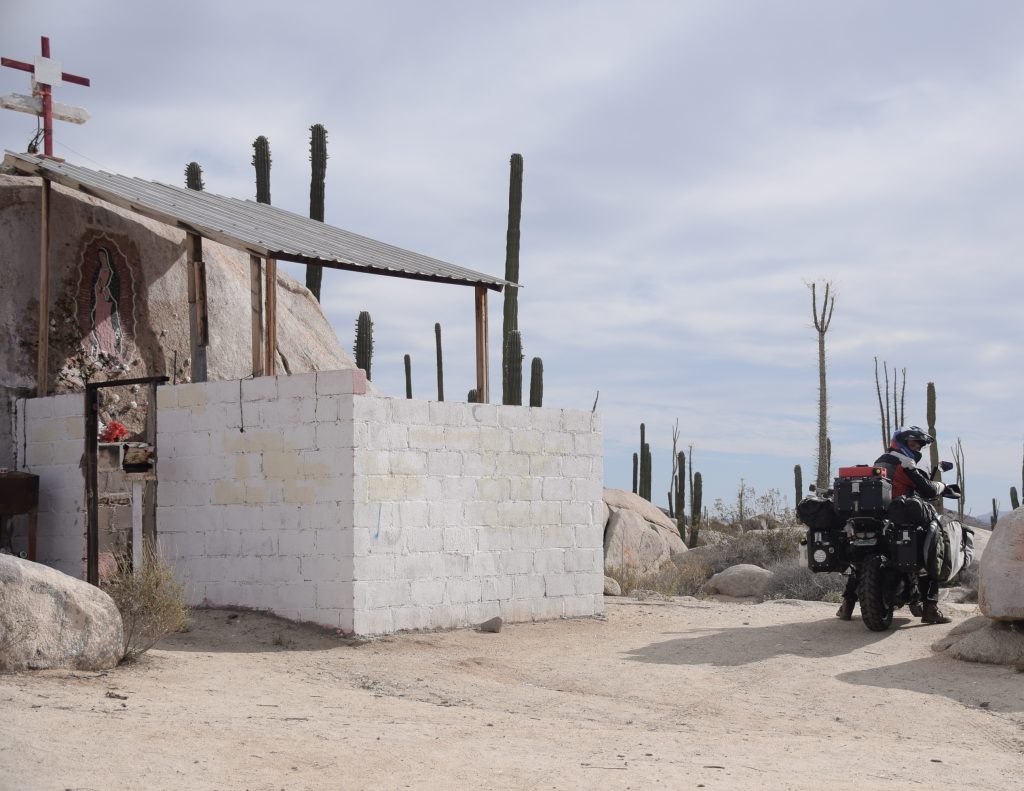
904, 510
818, 513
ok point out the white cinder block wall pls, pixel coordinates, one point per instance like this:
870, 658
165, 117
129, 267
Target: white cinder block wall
467, 511
303, 496
254, 504
49, 436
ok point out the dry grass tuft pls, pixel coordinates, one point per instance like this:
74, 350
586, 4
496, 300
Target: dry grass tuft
150, 600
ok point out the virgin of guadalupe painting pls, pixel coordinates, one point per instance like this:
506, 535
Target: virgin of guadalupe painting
106, 301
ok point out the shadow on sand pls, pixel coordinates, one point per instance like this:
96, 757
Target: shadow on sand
246, 632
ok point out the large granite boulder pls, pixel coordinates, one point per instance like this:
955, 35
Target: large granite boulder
637, 535
740, 581
981, 639
51, 620
1001, 585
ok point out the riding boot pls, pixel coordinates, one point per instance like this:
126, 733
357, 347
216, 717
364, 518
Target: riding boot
845, 611
932, 613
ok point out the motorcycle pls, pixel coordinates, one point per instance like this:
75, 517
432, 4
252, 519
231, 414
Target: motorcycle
889, 543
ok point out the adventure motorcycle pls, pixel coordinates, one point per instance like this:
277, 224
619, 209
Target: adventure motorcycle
889, 543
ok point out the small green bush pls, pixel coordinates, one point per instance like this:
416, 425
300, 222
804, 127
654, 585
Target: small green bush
150, 600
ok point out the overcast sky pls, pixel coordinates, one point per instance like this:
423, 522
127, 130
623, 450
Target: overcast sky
689, 167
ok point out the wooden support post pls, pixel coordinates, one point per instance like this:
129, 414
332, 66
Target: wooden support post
482, 373
270, 341
92, 523
256, 301
198, 320
43, 337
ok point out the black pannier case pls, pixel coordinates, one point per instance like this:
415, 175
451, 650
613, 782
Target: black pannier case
862, 491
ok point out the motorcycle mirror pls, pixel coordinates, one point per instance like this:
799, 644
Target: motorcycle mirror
945, 466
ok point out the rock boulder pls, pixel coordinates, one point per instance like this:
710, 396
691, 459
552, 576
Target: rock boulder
1001, 585
51, 620
740, 581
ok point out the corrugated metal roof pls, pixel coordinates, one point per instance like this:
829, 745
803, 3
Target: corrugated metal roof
257, 228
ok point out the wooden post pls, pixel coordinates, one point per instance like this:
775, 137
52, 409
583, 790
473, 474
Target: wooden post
482, 373
43, 337
270, 343
256, 301
198, 320
92, 524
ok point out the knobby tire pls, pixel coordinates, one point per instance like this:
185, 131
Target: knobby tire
871, 590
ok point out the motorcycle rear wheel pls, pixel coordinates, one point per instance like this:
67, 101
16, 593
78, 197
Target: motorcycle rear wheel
875, 608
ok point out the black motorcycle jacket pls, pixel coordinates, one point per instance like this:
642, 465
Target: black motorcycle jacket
906, 477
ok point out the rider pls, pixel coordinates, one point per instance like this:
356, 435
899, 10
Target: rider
900, 461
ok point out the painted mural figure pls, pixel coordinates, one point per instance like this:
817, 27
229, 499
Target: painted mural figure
106, 336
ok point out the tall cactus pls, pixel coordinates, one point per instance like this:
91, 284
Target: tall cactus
318, 160
696, 497
473, 396
636, 473
261, 161
510, 315
934, 446
681, 495
822, 322
513, 348
363, 347
798, 484
440, 366
1014, 499
995, 513
537, 382
645, 471
408, 376
194, 177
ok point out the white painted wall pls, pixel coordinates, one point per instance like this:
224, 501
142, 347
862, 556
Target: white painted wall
304, 496
49, 438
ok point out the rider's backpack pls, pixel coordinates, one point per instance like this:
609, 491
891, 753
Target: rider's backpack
818, 514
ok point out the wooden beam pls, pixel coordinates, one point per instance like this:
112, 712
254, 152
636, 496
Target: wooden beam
43, 336
482, 372
198, 319
256, 301
92, 517
270, 342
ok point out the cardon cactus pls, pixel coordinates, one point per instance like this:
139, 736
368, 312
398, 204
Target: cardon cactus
318, 159
798, 484
537, 382
194, 177
1014, 499
261, 161
514, 357
698, 494
440, 366
510, 315
636, 471
363, 347
473, 396
408, 376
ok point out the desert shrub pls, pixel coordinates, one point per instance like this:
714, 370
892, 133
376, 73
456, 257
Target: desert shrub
764, 548
681, 578
793, 581
150, 600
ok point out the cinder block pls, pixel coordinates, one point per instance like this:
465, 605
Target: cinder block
483, 414
227, 392
483, 564
589, 583
299, 492
387, 593
514, 417
297, 386
372, 409
527, 489
512, 464
427, 591
68, 405
261, 388
545, 512
327, 410
496, 440
331, 436
549, 561
413, 515
587, 489
583, 606
557, 489
371, 622
546, 419
461, 591
455, 565
190, 396
410, 618
478, 612
317, 568
410, 411
425, 437
296, 595
548, 609
528, 586
577, 466
174, 421
494, 537
418, 565
462, 438
559, 585
223, 542
587, 444
279, 569
38, 408
300, 542
427, 539
578, 421
493, 489
527, 441
444, 513
444, 462
497, 588
588, 561
477, 465
459, 488
447, 413
407, 462
515, 562
374, 567
350, 381
258, 542
330, 595
459, 539
558, 442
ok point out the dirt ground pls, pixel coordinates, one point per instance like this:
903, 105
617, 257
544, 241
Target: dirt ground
672, 694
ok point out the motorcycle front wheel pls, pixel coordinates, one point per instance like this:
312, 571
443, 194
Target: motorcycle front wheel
872, 590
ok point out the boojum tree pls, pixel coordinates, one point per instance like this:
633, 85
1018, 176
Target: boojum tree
822, 321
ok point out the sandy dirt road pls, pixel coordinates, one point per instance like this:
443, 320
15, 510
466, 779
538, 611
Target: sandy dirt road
659, 694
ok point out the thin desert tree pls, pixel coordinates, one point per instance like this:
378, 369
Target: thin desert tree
822, 321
